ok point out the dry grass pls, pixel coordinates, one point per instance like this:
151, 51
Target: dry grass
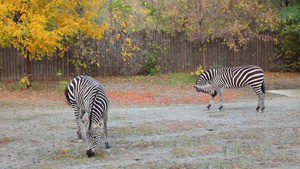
6, 140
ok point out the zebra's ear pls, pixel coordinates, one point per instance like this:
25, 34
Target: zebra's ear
196, 86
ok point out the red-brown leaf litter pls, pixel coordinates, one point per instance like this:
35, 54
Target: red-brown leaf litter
134, 91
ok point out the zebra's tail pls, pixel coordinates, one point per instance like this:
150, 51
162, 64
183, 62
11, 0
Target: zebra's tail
263, 87
67, 96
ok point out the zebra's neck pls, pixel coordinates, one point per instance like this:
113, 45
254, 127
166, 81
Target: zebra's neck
211, 74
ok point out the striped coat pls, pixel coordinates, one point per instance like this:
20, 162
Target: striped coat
86, 94
232, 77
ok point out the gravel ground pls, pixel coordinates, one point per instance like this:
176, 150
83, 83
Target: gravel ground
163, 136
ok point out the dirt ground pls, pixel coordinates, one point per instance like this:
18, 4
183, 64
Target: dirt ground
163, 128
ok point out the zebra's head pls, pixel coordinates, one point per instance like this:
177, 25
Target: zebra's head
198, 88
207, 88
93, 138
203, 82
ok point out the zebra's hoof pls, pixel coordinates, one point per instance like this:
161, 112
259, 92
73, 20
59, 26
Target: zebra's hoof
107, 145
208, 107
90, 153
220, 108
79, 135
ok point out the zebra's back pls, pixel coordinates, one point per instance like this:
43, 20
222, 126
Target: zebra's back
237, 77
247, 75
84, 91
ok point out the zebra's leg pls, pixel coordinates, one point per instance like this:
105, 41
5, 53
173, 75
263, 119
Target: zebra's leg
105, 131
262, 102
261, 98
258, 104
82, 113
81, 116
259, 101
211, 100
220, 91
78, 117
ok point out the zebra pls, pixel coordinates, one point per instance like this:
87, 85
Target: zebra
213, 81
85, 94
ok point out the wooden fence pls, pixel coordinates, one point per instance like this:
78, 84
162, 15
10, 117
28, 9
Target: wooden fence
174, 54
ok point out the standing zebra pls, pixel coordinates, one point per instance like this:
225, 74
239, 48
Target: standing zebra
213, 81
85, 94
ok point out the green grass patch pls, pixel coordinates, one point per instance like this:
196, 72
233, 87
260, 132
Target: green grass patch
178, 79
76, 155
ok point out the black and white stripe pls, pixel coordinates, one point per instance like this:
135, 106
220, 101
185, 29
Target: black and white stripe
213, 81
86, 94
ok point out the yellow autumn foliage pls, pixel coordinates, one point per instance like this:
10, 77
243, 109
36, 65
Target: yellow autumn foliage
198, 72
40, 27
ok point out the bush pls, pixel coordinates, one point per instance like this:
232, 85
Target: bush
151, 66
198, 72
24, 82
289, 52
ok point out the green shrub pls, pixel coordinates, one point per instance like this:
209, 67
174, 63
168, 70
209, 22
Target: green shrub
24, 82
151, 66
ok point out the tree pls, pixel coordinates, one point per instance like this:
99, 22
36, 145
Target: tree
232, 20
41, 27
124, 18
289, 35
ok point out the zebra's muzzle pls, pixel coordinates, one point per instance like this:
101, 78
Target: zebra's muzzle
90, 153
197, 88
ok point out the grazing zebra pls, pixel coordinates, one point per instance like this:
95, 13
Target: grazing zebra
86, 94
213, 81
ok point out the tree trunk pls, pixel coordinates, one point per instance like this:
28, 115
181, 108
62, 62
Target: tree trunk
28, 68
